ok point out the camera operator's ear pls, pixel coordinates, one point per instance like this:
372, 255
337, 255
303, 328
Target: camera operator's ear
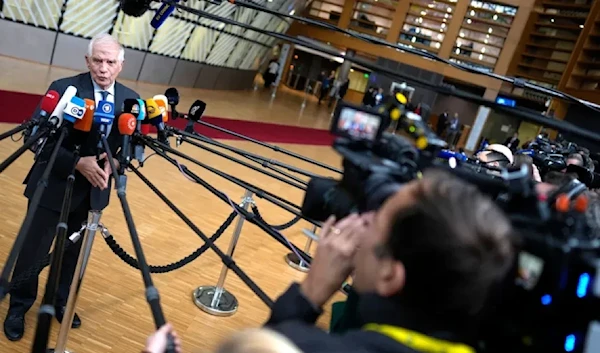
392, 277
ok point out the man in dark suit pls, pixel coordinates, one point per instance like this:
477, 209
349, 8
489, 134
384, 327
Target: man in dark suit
512, 142
91, 190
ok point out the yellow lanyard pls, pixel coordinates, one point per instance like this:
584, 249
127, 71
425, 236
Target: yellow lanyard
418, 341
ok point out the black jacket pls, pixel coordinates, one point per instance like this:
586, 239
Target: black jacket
294, 317
53, 195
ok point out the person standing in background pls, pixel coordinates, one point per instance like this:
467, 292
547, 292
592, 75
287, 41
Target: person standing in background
512, 142
326, 85
452, 133
441, 123
270, 75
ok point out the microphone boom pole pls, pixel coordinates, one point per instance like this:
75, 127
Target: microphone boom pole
27, 222
14, 131
228, 261
279, 201
252, 156
47, 311
27, 145
152, 295
248, 165
273, 147
249, 216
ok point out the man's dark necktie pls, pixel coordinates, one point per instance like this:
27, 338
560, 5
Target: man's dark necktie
99, 198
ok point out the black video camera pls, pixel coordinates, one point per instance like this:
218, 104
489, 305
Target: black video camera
375, 164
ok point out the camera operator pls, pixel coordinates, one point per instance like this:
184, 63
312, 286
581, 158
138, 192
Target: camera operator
423, 267
575, 159
496, 156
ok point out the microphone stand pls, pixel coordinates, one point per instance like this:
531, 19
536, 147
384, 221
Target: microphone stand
47, 310
27, 145
15, 130
249, 216
274, 199
252, 156
27, 222
273, 147
152, 295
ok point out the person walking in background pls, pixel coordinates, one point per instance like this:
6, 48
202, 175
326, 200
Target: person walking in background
341, 92
512, 142
441, 123
326, 85
452, 132
368, 97
270, 76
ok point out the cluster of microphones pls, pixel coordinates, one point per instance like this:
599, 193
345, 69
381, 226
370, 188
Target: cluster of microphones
137, 116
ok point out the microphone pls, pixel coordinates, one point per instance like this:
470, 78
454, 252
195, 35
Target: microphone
135, 8
127, 125
104, 115
56, 117
162, 102
131, 106
173, 100
155, 118
48, 104
85, 123
74, 110
196, 111
162, 14
141, 118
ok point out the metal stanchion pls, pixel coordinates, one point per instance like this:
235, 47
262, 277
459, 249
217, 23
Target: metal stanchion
84, 256
216, 300
297, 263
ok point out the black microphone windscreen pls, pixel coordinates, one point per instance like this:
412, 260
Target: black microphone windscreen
172, 95
135, 8
197, 110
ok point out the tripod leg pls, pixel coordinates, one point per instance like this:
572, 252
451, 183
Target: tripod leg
84, 256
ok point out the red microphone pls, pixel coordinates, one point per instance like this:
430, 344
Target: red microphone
47, 106
49, 102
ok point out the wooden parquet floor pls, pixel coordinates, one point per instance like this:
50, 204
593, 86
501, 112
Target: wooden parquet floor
115, 315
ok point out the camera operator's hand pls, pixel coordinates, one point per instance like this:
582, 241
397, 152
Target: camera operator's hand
89, 168
157, 343
332, 263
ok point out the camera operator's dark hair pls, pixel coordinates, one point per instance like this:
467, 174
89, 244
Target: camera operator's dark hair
456, 245
558, 178
521, 159
578, 157
502, 160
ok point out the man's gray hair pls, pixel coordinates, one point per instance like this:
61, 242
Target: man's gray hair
105, 38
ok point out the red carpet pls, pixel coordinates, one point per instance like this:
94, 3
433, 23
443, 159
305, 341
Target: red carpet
18, 107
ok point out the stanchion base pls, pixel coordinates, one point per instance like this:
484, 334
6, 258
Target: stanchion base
294, 262
51, 350
203, 297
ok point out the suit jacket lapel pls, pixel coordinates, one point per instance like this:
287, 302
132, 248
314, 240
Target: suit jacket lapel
86, 88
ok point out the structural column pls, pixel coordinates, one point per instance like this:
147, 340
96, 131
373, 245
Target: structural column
398, 22
347, 12
482, 116
346, 66
458, 15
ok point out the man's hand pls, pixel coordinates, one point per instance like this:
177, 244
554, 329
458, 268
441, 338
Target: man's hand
107, 168
89, 168
157, 343
332, 263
